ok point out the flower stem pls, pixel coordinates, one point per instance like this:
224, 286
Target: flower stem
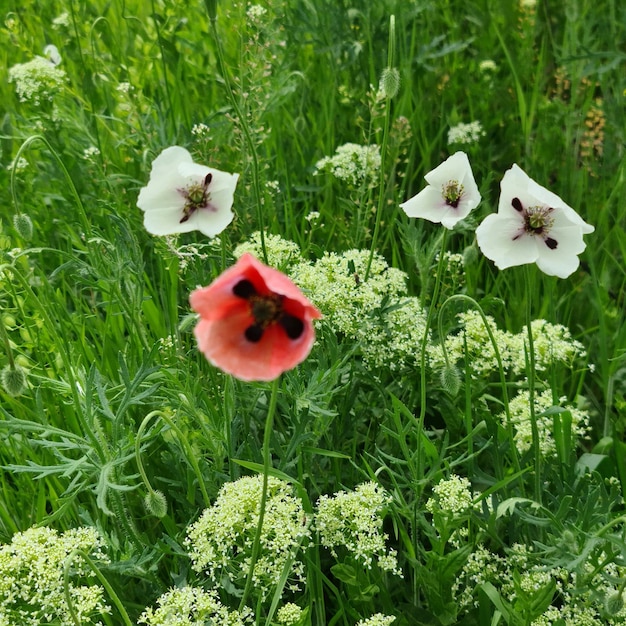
429, 317
256, 546
189, 453
256, 186
105, 583
383, 151
530, 371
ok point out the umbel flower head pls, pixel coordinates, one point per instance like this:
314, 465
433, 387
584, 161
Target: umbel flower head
451, 193
532, 225
182, 196
254, 322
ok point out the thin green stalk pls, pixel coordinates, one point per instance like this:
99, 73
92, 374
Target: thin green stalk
383, 150
105, 583
79, 203
530, 371
189, 454
256, 546
496, 350
4, 336
429, 317
256, 186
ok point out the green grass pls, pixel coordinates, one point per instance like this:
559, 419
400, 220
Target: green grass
96, 310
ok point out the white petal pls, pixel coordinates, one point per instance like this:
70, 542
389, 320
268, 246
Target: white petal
561, 266
161, 192
503, 240
427, 204
211, 222
165, 222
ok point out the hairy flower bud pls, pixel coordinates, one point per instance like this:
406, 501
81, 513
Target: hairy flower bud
155, 503
450, 379
23, 225
390, 82
13, 380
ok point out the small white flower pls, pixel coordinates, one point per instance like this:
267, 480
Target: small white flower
466, 133
51, 52
532, 225
451, 193
182, 196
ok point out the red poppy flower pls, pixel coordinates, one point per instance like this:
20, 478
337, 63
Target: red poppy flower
254, 322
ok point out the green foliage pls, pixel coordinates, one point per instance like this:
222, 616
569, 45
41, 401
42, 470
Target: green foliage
111, 419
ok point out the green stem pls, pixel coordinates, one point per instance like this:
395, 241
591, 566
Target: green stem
383, 151
496, 350
429, 317
79, 204
256, 546
189, 454
530, 370
101, 578
5, 340
256, 186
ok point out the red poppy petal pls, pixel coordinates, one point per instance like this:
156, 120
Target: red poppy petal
224, 344
225, 318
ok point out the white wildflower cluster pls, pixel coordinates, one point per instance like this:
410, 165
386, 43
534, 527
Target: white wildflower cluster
519, 408
256, 12
220, 542
553, 344
281, 253
378, 619
124, 88
90, 153
465, 134
289, 614
454, 264
487, 66
189, 606
522, 577
352, 163
61, 21
482, 566
37, 80
353, 520
200, 130
19, 164
31, 578
451, 497
376, 313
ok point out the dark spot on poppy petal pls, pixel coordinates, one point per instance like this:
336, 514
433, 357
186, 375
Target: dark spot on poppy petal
207, 179
551, 243
253, 333
294, 326
517, 204
185, 218
244, 289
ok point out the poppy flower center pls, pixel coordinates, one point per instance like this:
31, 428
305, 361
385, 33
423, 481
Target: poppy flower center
452, 193
197, 196
265, 311
538, 220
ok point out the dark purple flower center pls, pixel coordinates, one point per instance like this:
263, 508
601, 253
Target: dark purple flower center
197, 196
452, 193
538, 220
266, 310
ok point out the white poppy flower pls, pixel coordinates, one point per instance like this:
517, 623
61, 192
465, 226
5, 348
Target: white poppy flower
451, 193
182, 196
532, 225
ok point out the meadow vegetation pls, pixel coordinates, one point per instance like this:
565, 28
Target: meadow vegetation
431, 461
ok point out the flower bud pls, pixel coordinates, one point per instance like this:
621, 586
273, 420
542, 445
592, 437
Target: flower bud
450, 379
614, 603
155, 503
23, 225
390, 82
13, 380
